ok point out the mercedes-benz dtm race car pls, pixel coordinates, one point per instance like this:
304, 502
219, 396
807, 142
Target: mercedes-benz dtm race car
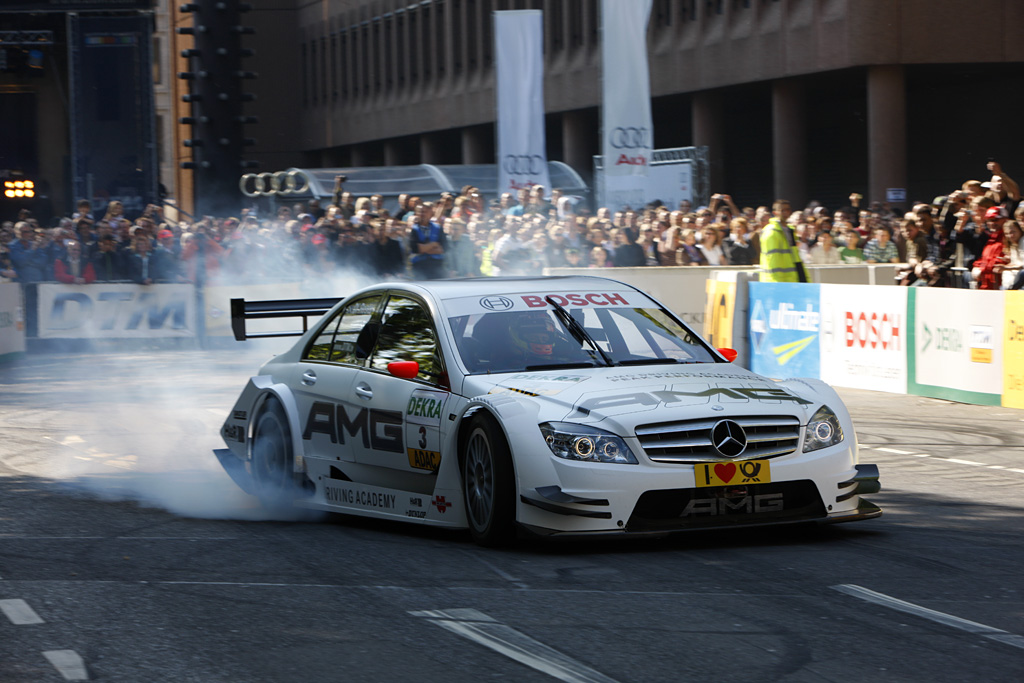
566, 405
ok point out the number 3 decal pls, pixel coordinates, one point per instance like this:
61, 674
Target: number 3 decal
423, 437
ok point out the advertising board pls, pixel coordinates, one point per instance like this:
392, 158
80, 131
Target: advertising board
957, 343
785, 319
116, 311
864, 337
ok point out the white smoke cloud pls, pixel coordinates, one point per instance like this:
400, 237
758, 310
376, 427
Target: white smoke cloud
140, 424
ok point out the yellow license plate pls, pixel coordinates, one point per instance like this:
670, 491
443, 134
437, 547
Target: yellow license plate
732, 473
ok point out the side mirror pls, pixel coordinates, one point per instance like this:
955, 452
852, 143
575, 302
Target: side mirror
730, 354
406, 369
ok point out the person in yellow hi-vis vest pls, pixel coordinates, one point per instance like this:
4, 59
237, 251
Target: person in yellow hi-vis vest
780, 257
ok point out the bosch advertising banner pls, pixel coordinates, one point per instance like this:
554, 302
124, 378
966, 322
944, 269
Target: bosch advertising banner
785, 320
519, 73
12, 322
627, 127
864, 337
114, 311
957, 343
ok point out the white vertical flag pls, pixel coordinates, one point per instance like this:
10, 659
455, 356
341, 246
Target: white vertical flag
627, 129
519, 73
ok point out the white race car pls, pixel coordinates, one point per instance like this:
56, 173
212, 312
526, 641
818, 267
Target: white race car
567, 405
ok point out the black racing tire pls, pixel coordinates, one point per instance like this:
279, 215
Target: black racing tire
488, 482
272, 458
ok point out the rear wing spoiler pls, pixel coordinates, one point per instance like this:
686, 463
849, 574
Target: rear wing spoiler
242, 310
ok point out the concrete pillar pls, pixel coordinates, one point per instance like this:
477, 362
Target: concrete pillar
429, 152
474, 146
358, 156
580, 141
392, 153
708, 130
789, 142
887, 131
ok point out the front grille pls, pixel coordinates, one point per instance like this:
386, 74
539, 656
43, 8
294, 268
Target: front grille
689, 441
700, 508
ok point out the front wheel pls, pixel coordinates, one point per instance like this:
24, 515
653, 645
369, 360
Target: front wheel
272, 458
488, 483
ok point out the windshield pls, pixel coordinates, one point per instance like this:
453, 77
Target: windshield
516, 341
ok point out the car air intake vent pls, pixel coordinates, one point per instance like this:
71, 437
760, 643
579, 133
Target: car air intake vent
690, 441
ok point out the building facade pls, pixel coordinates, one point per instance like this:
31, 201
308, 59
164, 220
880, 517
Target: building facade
797, 98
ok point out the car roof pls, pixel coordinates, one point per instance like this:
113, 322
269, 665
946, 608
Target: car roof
484, 286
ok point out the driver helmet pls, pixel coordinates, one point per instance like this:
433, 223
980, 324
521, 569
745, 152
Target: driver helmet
534, 333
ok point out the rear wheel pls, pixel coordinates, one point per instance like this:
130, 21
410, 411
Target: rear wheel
488, 482
272, 458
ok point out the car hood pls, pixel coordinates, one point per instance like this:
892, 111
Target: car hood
619, 399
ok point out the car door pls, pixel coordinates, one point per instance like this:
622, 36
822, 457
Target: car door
403, 414
326, 372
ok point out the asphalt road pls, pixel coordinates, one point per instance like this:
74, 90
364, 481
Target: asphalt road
127, 555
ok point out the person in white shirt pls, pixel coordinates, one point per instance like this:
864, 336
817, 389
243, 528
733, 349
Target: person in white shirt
824, 253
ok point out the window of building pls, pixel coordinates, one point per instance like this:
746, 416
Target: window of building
472, 35
413, 36
305, 74
426, 32
687, 10
334, 67
487, 34
378, 66
342, 64
555, 25
323, 69
440, 37
400, 47
575, 21
312, 72
365, 66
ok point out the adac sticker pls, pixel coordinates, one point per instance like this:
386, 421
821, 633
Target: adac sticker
425, 407
424, 460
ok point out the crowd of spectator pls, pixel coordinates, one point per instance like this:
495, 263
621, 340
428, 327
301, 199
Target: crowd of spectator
971, 236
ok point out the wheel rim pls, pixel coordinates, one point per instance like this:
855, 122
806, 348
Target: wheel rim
479, 480
269, 453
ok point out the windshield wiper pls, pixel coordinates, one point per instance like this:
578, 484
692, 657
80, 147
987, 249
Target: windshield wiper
656, 361
577, 329
562, 366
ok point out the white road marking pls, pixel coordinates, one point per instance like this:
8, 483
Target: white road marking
921, 455
19, 612
958, 461
964, 462
893, 450
1015, 470
940, 617
68, 663
996, 467
482, 629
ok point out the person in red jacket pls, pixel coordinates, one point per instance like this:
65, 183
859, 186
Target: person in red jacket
988, 268
74, 268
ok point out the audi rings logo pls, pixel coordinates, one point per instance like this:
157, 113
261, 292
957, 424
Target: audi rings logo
523, 164
728, 438
631, 138
279, 183
496, 303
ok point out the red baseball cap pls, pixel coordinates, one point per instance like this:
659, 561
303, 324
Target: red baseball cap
318, 239
163, 234
995, 212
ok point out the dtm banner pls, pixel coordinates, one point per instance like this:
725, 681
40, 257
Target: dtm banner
784, 322
113, 311
957, 344
627, 128
519, 73
864, 337
12, 322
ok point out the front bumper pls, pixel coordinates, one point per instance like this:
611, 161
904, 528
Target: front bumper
656, 499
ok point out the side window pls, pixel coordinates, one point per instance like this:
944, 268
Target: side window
349, 337
407, 333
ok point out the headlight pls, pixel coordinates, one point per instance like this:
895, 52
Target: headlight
823, 430
580, 442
